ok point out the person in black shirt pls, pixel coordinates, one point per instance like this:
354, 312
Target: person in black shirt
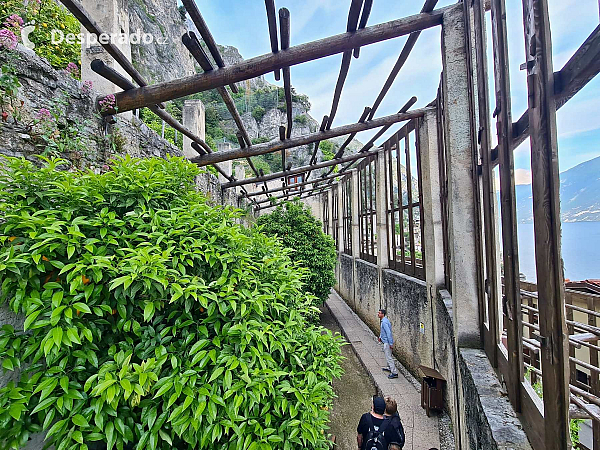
375, 417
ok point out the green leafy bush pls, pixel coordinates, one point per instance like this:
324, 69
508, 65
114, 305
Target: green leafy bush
47, 15
301, 119
327, 148
258, 113
151, 320
298, 229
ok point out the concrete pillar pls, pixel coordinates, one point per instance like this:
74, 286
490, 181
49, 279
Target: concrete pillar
381, 211
340, 224
193, 119
433, 240
240, 174
462, 232
113, 19
330, 211
355, 219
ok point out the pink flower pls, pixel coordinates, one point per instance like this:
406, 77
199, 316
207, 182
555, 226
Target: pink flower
14, 21
43, 115
107, 102
73, 69
86, 87
8, 39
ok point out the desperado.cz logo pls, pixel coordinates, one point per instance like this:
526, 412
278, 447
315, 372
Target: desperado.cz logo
89, 39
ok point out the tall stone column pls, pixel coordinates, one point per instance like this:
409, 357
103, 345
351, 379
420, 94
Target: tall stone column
193, 120
433, 240
330, 211
381, 211
227, 166
113, 19
355, 219
461, 205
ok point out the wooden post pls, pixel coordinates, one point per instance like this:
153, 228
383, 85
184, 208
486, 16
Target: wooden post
512, 293
546, 219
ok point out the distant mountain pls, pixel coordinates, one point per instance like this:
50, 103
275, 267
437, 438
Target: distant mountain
579, 194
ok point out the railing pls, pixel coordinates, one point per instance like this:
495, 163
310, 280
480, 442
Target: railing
404, 199
366, 209
347, 214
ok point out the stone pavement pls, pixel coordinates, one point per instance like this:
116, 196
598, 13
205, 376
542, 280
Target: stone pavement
422, 432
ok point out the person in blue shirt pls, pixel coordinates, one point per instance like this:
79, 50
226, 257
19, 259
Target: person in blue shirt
386, 338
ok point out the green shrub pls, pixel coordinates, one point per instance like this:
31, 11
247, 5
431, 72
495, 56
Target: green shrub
294, 224
258, 113
301, 119
152, 320
327, 148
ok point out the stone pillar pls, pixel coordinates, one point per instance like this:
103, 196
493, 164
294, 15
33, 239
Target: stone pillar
240, 174
330, 211
193, 120
227, 166
340, 224
113, 19
462, 232
381, 211
355, 219
433, 240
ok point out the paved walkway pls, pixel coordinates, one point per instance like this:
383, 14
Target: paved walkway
422, 432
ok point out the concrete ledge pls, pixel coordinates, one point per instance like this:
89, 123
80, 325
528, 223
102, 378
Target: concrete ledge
491, 420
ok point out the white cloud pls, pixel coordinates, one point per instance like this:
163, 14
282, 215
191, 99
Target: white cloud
522, 176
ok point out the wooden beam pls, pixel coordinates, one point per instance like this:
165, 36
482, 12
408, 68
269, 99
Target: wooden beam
207, 37
364, 17
274, 146
272, 21
298, 170
313, 158
381, 132
512, 297
284, 31
546, 222
353, 16
254, 67
190, 41
583, 66
408, 46
290, 194
295, 185
299, 195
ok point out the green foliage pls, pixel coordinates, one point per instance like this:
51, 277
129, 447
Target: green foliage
9, 88
327, 150
297, 228
48, 15
301, 119
258, 113
152, 320
155, 123
260, 140
269, 162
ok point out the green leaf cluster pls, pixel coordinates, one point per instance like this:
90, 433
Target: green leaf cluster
151, 320
300, 231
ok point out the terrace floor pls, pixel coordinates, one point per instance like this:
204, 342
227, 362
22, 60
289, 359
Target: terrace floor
422, 432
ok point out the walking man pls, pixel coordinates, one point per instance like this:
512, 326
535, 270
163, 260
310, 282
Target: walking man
386, 338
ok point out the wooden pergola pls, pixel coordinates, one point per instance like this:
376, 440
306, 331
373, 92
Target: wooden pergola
547, 91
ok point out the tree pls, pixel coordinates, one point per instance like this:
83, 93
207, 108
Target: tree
298, 229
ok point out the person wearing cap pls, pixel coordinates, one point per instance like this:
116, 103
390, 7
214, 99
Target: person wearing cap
386, 338
373, 421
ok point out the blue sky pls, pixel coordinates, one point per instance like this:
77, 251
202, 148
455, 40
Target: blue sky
244, 25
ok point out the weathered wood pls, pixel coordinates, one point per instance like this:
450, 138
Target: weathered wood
583, 66
510, 253
296, 185
364, 17
272, 21
115, 77
294, 195
381, 132
273, 176
408, 46
284, 31
291, 194
207, 37
411, 224
190, 41
254, 67
313, 158
546, 219
274, 146
353, 16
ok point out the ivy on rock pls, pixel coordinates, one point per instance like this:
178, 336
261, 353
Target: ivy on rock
151, 320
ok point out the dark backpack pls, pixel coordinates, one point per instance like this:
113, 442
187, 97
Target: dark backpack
397, 424
376, 438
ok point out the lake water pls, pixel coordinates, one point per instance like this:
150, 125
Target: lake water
580, 250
